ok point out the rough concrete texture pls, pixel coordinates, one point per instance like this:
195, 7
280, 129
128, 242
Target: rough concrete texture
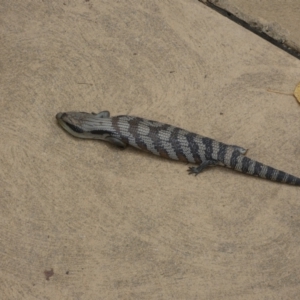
81, 219
278, 19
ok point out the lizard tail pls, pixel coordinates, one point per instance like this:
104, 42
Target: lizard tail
246, 165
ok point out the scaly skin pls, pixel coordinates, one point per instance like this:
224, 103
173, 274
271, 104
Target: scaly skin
167, 141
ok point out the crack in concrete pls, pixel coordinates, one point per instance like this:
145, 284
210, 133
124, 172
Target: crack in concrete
255, 27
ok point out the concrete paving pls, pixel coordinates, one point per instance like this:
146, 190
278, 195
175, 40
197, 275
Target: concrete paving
278, 19
81, 219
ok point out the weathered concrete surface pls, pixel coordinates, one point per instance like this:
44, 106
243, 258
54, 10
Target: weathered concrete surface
124, 224
276, 18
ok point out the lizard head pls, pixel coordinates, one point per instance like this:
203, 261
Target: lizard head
84, 125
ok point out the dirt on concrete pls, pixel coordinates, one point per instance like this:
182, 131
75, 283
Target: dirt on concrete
81, 219
277, 19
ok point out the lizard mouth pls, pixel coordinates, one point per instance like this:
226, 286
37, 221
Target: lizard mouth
62, 121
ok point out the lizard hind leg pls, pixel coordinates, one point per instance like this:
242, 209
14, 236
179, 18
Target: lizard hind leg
202, 166
240, 149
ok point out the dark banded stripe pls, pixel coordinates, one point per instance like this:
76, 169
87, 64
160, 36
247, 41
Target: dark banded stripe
208, 143
222, 151
234, 161
141, 143
282, 176
194, 146
177, 146
246, 163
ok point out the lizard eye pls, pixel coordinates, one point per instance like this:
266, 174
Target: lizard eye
74, 128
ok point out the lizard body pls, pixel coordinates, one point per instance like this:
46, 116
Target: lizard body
167, 141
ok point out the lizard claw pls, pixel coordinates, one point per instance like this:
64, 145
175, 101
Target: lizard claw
202, 166
192, 170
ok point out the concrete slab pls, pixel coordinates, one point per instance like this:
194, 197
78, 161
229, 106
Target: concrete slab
276, 18
82, 220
